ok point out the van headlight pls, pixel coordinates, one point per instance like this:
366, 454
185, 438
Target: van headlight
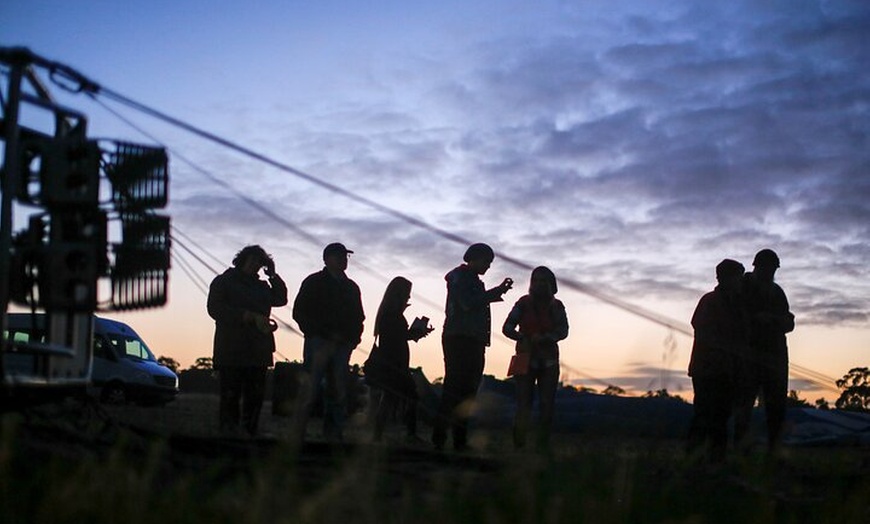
165, 381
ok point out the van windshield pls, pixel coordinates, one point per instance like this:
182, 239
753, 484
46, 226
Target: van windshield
130, 347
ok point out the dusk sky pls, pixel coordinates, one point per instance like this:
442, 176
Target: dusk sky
628, 145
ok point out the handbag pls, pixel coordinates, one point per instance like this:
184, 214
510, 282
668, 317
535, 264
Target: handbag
371, 366
519, 364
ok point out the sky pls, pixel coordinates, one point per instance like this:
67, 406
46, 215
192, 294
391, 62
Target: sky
628, 145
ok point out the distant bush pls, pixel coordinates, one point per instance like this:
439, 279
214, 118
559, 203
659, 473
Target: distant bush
856, 390
169, 362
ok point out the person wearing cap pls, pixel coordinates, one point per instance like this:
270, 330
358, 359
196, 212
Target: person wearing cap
240, 304
329, 311
466, 333
721, 338
537, 322
765, 370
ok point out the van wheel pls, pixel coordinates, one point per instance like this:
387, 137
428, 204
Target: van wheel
114, 393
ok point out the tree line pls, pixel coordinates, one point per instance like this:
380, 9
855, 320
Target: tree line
854, 388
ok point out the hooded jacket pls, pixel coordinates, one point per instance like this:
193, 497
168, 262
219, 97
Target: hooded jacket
467, 311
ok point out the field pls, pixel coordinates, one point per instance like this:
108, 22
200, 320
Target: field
78, 462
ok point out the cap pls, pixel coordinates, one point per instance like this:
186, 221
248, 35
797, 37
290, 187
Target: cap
766, 257
335, 248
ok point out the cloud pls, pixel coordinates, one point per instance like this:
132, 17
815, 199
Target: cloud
635, 147
725, 137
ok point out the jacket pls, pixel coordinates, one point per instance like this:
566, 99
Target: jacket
721, 335
388, 364
467, 310
769, 315
548, 320
330, 308
230, 295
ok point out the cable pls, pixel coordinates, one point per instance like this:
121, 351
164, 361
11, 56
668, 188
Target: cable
262, 208
199, 259
447, 235
196, 245
211, 177
215, 271
196, 278
651, 316
60, 71
252, 202
188, 271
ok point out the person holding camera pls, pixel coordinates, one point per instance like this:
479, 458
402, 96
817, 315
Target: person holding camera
387, 368
467, 332
240, 304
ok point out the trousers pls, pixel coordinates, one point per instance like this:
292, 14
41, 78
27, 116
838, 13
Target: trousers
463, 369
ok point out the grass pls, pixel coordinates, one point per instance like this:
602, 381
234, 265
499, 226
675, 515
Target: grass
71, 464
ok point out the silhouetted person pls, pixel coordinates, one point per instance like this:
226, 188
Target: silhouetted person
467, 331
537, 322
329, 312
387, 368
765, 369
240, 304
721, 338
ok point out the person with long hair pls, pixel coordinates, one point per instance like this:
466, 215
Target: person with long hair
537, 322
387, 368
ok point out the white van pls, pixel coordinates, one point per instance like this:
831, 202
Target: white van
123, 368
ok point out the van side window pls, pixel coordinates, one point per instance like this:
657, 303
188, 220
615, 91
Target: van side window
130, 347
135, 349
17, 336
102, 348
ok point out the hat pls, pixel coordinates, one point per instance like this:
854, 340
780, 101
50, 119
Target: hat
766, 257
335, 248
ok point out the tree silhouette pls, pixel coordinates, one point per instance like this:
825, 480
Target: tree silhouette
856, 390
821, 403
662, 393
169, 362
577, 389
794, 401
614, 391
203, 363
